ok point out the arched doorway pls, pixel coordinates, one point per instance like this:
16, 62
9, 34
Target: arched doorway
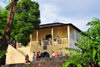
48, 36
45, 55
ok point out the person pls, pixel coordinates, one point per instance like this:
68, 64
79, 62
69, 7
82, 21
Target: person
53, 54
58, 39
33, 55
49, 41
60, 54
15, 45
27, 59
37, 56
57, 54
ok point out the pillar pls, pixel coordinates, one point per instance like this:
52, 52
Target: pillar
68, 29
52, 33
30, 37
37, 36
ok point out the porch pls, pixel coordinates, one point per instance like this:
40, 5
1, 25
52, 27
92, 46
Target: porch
49, 35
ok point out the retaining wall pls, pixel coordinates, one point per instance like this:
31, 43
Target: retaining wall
43, 62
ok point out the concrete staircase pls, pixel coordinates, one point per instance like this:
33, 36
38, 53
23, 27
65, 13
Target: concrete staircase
14, 56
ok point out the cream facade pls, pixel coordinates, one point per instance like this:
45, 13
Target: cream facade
44, 39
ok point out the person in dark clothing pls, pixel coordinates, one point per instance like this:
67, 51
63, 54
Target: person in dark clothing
27, 59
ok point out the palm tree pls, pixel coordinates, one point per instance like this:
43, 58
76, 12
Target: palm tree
6, 37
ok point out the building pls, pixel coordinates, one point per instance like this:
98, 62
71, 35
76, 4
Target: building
48, 38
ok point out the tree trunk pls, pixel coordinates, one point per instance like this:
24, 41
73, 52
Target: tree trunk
6, 37
92, 64
87, 65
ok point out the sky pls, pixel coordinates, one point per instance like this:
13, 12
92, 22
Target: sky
77, 12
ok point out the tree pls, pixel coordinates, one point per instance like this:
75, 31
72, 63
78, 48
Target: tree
25, 21
6, 36
88, 53
2, 53
3, 20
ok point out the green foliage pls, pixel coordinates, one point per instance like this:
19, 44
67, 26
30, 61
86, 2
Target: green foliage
2, 53
28, 65
26, 19
3, 20
88, 51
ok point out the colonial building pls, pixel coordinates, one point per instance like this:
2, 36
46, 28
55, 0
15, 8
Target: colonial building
48, 38
45, 39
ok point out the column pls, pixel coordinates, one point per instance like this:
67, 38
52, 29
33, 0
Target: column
68, 29
30, 37
37, 36
52, 33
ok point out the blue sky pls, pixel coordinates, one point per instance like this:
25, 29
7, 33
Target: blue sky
77, 12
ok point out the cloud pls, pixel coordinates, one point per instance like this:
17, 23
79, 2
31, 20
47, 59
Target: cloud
78, 12
2, 4
49, 14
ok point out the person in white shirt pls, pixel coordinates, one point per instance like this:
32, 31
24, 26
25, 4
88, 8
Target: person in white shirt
53, 54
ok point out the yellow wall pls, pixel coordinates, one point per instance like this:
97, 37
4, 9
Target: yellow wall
25, 51
71, 30
43, 33
55, 47
60, 31
34, 35
57, 31
13, 56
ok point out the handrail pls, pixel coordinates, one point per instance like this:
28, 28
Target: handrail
49, 42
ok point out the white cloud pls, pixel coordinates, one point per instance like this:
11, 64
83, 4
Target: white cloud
49, 14
2, 4
65, 11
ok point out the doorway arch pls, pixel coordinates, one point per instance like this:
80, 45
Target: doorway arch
45, 55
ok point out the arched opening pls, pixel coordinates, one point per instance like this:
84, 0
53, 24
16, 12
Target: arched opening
45, 55
48, 36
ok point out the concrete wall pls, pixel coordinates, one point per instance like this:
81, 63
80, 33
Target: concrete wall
60, 31
13, 65
43, 62
43, 33
25, 51
34, 35
13, 56
50, 48
73, 38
